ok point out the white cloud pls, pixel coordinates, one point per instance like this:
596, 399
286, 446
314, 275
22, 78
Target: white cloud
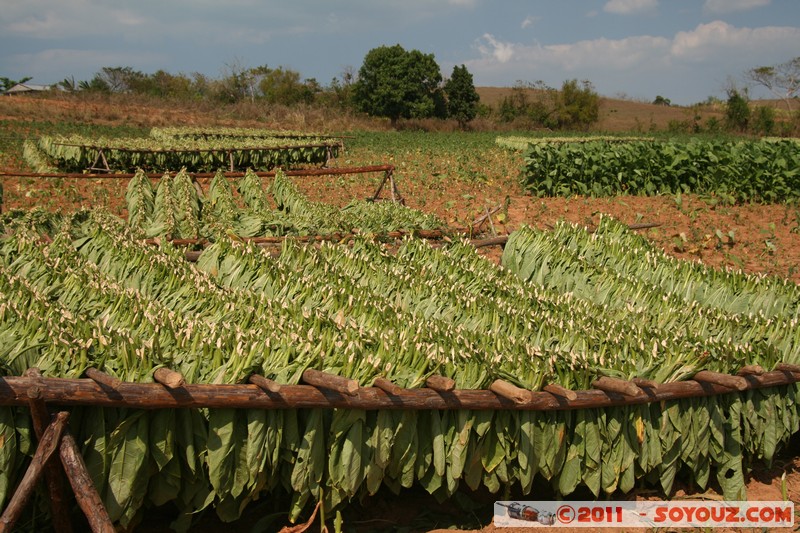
494, 49
614, 54
698, 60
728, 6
627, 7
529, 21
717, 39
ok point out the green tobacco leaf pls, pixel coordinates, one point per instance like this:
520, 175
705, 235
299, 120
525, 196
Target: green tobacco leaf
128, 474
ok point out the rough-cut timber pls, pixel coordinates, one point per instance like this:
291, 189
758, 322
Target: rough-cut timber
47, 447
85, 492
14, 390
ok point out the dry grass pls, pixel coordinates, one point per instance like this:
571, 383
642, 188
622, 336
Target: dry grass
616, 115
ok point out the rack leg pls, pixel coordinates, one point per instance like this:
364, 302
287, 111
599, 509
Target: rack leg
47, 447
53, 475
85, 492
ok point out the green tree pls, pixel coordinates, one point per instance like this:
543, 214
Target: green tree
284, 86
764, 120
163, 84
578, 105
737, 111
396, 83
462, 98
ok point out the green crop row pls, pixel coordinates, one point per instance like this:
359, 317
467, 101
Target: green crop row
194, 133
521, 142
735, 171
176, 208
77, 153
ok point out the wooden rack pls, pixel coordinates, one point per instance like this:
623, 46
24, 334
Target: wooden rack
317, 392
321, 390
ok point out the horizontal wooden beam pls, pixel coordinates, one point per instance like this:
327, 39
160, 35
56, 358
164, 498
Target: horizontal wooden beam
264, 174
57, 391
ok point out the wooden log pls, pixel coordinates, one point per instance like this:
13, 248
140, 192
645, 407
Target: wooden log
620, 386
102, 378
440, 383
726, 380
298, 172
32, 373
44, 451
510, 391
491, 241
751, 370
265, 384
85, 492
13, 391
562, 392
53, 474
169, 378
642, 382
332, 382
388, 387
788, 367
645, 225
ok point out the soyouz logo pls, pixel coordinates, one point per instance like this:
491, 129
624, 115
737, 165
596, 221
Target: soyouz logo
689, 513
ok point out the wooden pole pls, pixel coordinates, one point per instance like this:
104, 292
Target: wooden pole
510, 391
169, 378
265, 384
726, 380
440, 384
491, 241
788, 367
44, 451
620, 386
751, 370
85, 492
14, 390
102, 378
264, 174
388, 387
332, 382
562, 392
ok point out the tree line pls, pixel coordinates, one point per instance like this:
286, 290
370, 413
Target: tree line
392, 82
396, 83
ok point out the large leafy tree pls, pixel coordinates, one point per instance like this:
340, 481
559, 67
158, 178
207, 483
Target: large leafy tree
396, 83
462, 98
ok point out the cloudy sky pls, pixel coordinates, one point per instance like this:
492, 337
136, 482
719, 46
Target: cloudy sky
685, 50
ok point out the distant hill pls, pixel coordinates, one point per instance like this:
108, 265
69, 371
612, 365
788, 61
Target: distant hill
621, 115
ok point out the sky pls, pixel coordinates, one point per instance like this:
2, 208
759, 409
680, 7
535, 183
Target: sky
684, 50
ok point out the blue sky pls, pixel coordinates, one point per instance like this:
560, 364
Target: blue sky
685, 50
